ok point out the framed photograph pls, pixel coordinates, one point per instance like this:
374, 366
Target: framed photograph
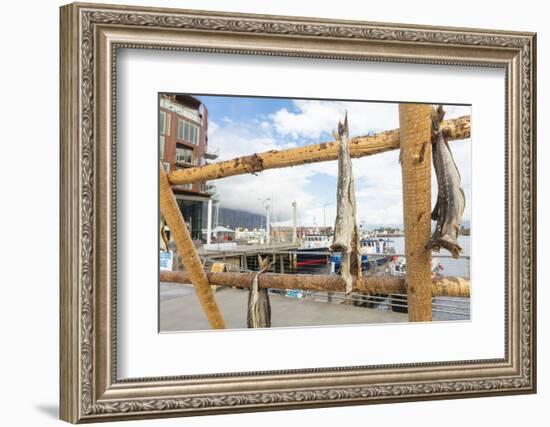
267, 212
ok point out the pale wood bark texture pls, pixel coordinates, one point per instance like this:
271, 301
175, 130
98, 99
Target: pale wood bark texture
361, 146
191, 261
443, 286
415, 135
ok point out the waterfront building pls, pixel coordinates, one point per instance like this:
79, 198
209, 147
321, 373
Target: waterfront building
183, 143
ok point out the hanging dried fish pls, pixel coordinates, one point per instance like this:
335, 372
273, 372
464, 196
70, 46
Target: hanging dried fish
259, 308
163, 239
346, 236
450, 203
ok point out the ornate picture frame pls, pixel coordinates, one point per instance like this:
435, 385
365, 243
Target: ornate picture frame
91, 35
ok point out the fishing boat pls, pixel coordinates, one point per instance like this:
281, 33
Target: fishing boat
336, 261
315, 241
378, 246
314, 251
398, 266
379, 249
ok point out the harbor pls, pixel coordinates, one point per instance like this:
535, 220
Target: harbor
294, 308
275, 257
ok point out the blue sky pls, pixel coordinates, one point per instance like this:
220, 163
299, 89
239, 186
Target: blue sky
243, 108
244, 125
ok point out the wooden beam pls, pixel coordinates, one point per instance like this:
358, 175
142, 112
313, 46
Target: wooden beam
416, 130
445, 286
191, 261
360, 146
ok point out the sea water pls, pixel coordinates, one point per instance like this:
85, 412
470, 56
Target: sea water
451, 267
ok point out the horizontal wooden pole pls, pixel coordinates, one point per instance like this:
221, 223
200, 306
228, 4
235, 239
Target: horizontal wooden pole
445, 286
359, 147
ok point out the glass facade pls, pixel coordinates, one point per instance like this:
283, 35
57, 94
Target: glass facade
184, 155
188, 132
192, 211
165, 120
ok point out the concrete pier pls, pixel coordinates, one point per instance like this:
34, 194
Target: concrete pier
180, 311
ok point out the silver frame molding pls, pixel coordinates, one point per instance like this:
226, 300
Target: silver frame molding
90, 37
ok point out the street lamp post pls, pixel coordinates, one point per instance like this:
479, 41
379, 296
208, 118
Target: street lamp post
267, 206
268, 224
294, 222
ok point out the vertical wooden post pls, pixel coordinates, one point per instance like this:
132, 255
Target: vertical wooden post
191, 261
415, 157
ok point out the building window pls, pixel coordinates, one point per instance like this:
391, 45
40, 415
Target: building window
180, 129
188, 132
184, 155
168, 124
184, 186
185, 131
161, 142
196, 135
165, 121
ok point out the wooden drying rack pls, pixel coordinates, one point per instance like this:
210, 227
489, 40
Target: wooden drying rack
412, 138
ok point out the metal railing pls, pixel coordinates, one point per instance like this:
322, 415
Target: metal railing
445, 306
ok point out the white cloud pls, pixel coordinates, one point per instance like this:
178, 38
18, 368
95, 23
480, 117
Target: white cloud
282, 186
243, 191
377, 178
378, 184
234, 140
212, 127
454, 111
313, 118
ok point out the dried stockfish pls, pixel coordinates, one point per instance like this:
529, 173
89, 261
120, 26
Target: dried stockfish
163, 238
259, 308
346, 236
450, 203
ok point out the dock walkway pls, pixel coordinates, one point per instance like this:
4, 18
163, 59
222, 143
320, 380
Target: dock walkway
181, 311
248, 249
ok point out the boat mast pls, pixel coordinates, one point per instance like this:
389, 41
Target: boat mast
294, 221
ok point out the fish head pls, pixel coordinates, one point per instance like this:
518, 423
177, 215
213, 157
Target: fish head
437, 114
343, 128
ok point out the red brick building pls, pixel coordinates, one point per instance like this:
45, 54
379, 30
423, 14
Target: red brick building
183, 143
